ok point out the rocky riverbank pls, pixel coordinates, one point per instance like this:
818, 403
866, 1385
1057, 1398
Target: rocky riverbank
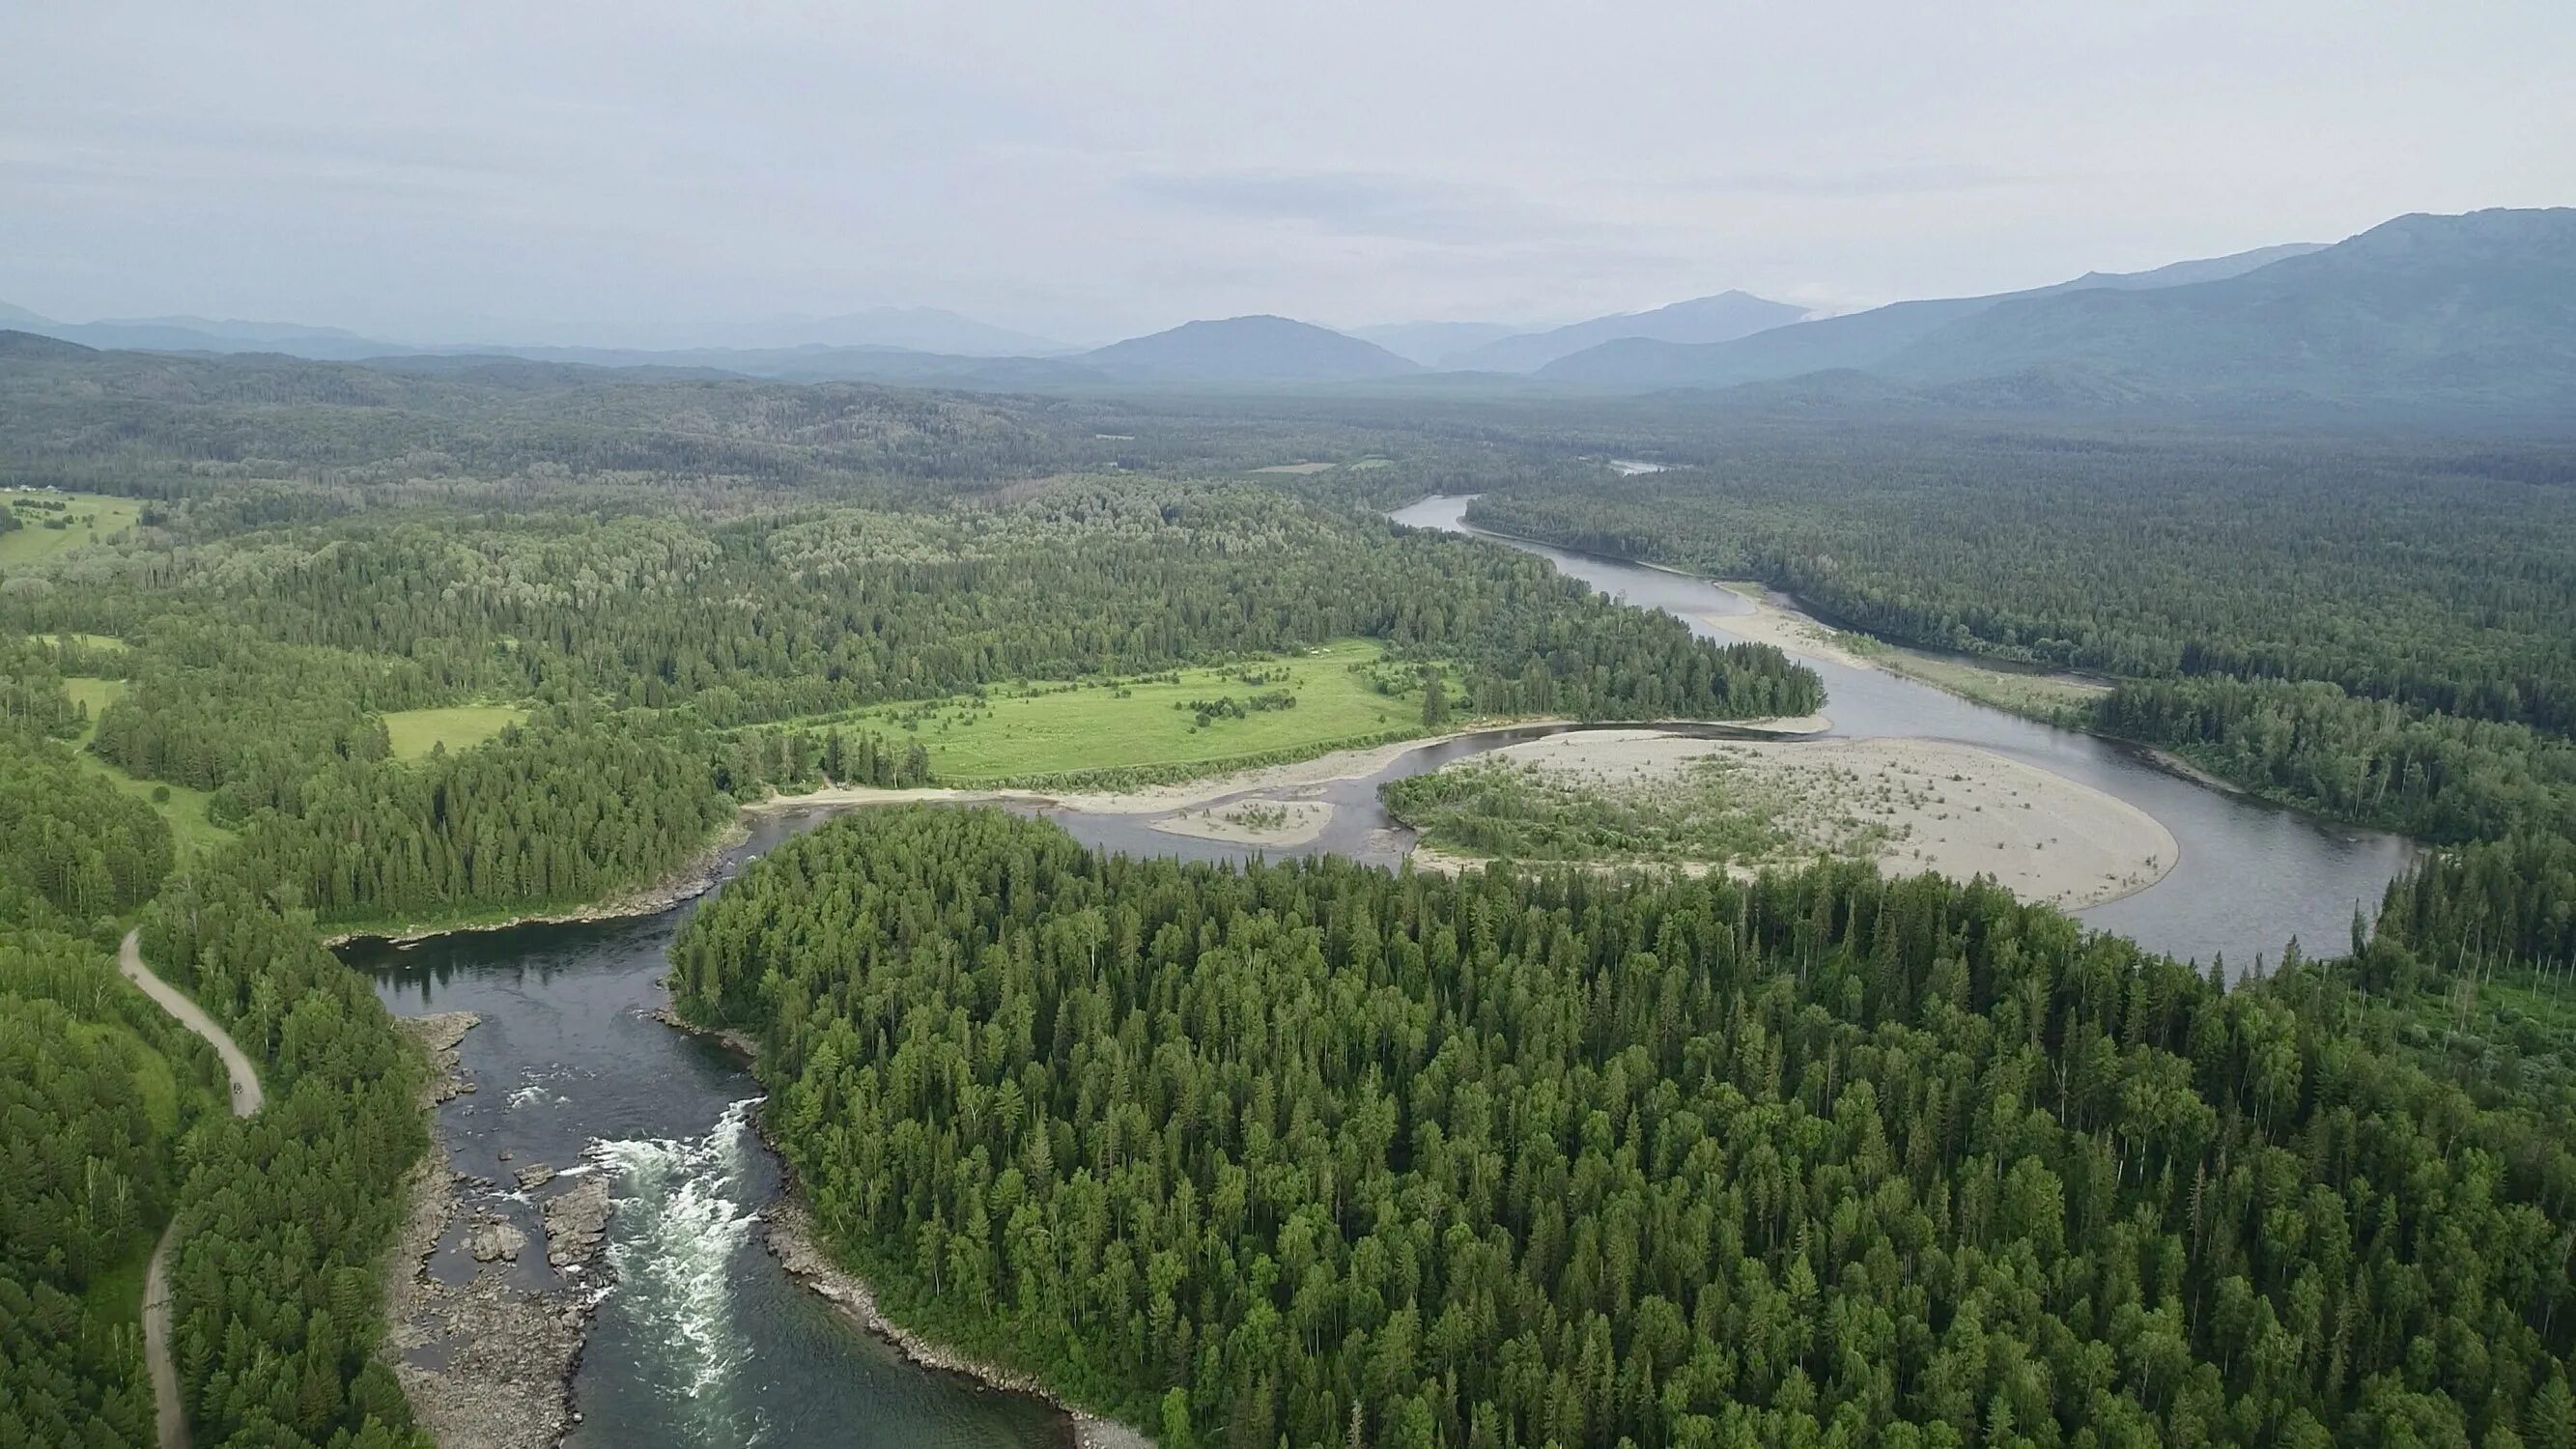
488, 1363
788, 1232
791, 1239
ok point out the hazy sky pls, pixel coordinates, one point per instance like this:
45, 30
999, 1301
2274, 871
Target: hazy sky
644, 171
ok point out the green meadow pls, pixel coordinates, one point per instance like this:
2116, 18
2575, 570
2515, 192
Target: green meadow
185, 808
415, 732
1191, 721
87, 518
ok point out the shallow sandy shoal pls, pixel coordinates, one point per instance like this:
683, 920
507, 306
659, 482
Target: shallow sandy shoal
1951, 808
1305, 820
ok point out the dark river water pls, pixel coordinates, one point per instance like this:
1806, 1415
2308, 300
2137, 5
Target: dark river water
704, 1341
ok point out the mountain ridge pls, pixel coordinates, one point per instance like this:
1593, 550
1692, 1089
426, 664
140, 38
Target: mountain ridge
1718, 317
1853, 341
1249, 349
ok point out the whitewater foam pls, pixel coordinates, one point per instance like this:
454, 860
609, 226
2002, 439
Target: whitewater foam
682, 1210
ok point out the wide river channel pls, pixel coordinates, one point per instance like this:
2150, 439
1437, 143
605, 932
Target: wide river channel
704, 1341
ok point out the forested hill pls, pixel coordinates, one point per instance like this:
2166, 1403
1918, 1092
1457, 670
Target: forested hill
2475, 311
81, 418
1320, 1154
1238, 350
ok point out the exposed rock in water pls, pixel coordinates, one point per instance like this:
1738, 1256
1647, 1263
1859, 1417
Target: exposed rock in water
439, 1036
495, 1240
486, 1364
575, 1221
736, 1041
533, 1176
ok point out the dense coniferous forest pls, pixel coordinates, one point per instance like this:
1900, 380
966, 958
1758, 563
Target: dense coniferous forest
97, 1087
235, 655
2380, 629
2439, 577
1307, 1153
1313, 1150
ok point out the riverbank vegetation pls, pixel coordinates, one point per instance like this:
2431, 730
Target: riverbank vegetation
1313, 1150
2381, 629
1703, 812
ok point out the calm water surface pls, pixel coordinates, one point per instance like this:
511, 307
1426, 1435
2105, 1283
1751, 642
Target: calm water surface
2251, 876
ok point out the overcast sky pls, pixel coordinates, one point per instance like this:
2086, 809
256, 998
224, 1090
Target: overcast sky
645, 172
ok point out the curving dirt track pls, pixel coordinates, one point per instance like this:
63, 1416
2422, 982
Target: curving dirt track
170, 1419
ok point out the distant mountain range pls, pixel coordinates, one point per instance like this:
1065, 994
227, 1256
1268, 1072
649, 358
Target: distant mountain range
1857, 341
911, 329
1432, 343
2433, 312
785, 341
1245, 350
2423, 313
1721, 318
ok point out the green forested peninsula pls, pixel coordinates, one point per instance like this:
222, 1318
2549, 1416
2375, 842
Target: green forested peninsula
1314, 1151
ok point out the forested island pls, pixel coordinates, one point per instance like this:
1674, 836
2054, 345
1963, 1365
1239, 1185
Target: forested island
1306, 1152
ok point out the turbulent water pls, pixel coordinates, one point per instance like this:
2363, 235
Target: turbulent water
702, 1340
690, 1208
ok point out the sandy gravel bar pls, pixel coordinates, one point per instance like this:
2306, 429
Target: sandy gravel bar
1784, 628
1951, 808
1252, 822
1187, 794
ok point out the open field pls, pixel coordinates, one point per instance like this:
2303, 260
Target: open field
1157, 723
415, 732
1643, 797
94, 694
185, 809
88, 517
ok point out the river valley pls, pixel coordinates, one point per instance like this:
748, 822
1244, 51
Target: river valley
703, 1339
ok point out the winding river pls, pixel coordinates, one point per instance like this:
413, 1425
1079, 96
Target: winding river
704, 1340
2251, 874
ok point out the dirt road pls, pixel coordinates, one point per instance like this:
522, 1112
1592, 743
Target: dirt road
170, 1419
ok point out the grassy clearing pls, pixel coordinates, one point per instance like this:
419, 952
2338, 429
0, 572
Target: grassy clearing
195, 836
415, 732
1294, 707
96, 694
86, 518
